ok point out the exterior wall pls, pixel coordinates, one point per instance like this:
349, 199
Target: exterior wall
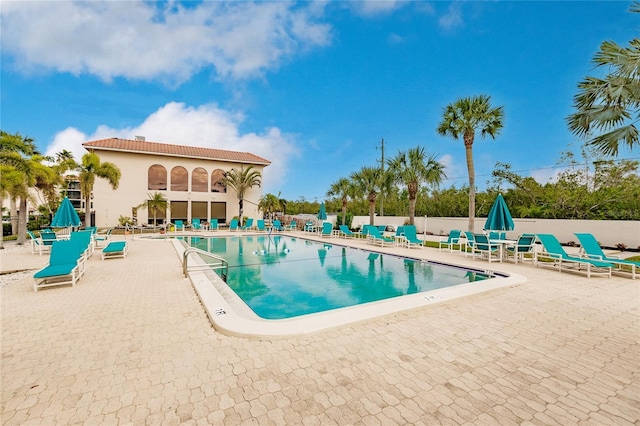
608, 232
109, 204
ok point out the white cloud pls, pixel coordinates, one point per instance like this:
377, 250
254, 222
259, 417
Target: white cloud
455, 172
148, 40
453, 17
547, 175
377, 7
205, 126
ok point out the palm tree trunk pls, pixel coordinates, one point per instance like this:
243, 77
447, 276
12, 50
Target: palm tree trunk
344, 211
372, 209
22, 221
468, 144
412, 210
87, 210
13, 216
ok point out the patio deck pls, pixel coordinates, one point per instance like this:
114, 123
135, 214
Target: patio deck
131, 343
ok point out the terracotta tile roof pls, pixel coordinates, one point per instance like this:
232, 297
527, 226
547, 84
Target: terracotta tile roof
144, 147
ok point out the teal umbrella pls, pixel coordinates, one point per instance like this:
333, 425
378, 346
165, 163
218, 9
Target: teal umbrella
499, 218
65, 215
322, 214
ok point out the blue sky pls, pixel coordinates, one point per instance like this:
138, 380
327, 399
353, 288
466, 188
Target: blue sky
311, 86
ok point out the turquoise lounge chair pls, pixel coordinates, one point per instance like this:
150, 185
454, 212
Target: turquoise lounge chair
260, 225
233, 226
470, 242
103, 238
483, 246
375, 237
524, 246
179, 224
48, 237
559, 258
345, 232
452, 239
327, 229
590, 248
292, 226
115, 249
37, 245
213, 224
63, 266
277, 225
196, 225
247, 225
411, 236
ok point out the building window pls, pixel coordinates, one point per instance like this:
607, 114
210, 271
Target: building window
217, 185
157, 178
179, 179
199, 181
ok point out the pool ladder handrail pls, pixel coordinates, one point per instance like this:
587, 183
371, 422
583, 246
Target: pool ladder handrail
218, 263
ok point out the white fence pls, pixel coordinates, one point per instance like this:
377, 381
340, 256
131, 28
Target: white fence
608, 232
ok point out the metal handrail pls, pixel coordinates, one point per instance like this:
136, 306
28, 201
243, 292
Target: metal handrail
218, 263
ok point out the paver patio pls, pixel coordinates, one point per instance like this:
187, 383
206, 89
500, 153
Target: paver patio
131, 344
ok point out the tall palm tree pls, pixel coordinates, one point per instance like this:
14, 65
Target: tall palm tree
155, 203
462, 119
269, 203
414, 168
367, 182
90, 168
344, 189
241, 181
610, 105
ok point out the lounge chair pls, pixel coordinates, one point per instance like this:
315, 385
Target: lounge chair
469, 247
115, 249
559, 258
375, 237
494, 235
103, 238
345, 232
452, 239
37, 245
48, 237
213, 224
233, 226
84, 245
327, 229
277, 225
483, 246
248, 224
63, 267
590, 248
292, 226
260, 227
196, 224
179, 224
523, 247
411, 236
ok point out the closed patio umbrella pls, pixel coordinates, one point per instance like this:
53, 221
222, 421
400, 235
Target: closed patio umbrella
322, 214
499, 218
65, 216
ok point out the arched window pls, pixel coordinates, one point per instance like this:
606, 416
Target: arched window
217, 185
179, 179
157, 178
199, 181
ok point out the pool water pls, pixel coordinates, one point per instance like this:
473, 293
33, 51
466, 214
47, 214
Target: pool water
283, 277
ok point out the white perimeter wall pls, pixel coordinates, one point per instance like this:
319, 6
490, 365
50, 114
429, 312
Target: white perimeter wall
608, 232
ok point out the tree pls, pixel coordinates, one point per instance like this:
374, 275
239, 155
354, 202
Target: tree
462, 119
155, 203
90, 168
414, 168
269, 204
241, 181
342, 188
610, 106
367, 182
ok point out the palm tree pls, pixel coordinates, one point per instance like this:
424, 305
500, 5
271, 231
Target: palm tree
269, 203
344, 189
463, 118
155, 203
413, 168
367, 182
90, 168
610, 104
241, 181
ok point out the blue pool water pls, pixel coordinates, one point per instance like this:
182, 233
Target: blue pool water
283, 277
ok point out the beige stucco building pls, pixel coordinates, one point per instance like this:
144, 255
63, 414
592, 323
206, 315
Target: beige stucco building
188, 177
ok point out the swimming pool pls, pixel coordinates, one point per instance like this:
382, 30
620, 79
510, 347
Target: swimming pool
284, 277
